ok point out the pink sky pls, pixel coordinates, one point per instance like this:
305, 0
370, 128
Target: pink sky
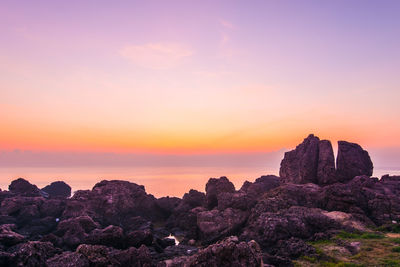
197, 77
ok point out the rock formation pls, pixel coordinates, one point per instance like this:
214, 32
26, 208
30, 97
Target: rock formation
269, 221
58, 189
313, 162
352, 161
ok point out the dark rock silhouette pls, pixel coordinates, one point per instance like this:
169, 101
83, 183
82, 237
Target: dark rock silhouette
23, 188
58, 189
313, 162
352, 161
228, 252
326, 173
214, 187
300, 165
117, 223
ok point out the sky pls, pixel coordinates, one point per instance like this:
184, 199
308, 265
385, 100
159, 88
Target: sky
196, 77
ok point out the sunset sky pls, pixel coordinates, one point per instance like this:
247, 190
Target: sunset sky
197, 77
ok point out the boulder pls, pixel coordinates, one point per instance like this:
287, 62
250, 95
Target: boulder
111, 236
58, 189
104, 256
352, 161
214, 187
268, 228
300, 165
8, 237
216, 224
228, 252
68, 259
260, 186
326, 173
75, 230
22, 187
114, 203
32, 253
194, 198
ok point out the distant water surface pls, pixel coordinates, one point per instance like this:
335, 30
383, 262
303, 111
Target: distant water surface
159, 181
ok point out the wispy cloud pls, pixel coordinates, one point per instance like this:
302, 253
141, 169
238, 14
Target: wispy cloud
156, 55
226, 24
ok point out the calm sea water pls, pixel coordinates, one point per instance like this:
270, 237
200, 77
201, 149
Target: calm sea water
163, 181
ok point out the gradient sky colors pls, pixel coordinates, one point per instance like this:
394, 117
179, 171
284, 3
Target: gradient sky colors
197, 77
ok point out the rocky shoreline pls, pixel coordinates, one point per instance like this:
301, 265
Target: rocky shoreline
267, 222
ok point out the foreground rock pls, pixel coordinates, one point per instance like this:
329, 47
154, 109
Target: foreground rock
313, 162
228, 252
23, 188
118, 224
352, 161
58, 189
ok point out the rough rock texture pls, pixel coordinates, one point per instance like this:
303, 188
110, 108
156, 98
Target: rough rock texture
114, 202
214, 187
228, 252
23, 188
58, 189
300, 165
269, 227
32, 253
105, 256
74, 231
68, 259
8, 237
326, 173
118, 224
352, 161
112, 236
215, 224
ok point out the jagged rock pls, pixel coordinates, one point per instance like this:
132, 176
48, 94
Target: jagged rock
326, 173
104, 256
288, 195
58, 189
300, 165
194, 198
114, 202
8, 237
236, 200
214, 187
352, 161
228, 252
52, 208
22, 187
168, 204
293, 248
175, 251
32, 253
139, 237
261, 185
269, 227
186, 222
24, 209
68, 259
75, 230
111, 236
181, 216
216, 224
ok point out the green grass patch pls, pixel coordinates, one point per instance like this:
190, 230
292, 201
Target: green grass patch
391, 228
347, 235
340, 264
372, 236
396, 249
309, 259
390, 263
395, 240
